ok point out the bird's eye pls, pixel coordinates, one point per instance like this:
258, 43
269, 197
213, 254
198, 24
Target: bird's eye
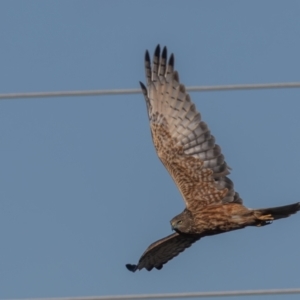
179, 222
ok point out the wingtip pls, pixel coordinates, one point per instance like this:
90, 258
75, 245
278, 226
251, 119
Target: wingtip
157, 51
147, 56
172, 60
164, 53
143, 87
131, 268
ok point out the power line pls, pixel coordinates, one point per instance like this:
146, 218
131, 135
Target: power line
279, 85
184, 295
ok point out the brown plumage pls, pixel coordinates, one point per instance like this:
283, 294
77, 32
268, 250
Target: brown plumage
188, 151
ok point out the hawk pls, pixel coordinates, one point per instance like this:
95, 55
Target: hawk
188, 150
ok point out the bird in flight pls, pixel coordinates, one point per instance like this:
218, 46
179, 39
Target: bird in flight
188, 150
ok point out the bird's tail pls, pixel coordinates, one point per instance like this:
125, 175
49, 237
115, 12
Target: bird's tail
266, 215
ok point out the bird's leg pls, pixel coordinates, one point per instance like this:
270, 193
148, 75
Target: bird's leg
264, 220
268, 217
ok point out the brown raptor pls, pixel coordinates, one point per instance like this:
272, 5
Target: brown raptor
187, 149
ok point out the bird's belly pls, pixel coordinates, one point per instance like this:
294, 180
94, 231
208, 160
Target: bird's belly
222, 218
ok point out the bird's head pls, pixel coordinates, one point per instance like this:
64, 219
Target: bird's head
182, 222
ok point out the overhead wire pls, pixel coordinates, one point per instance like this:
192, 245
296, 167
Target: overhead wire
221, 294
213, 88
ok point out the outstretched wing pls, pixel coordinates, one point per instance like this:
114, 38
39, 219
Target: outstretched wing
182, 140
160, 252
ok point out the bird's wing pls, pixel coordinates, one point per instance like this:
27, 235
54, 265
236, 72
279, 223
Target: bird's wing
163, 250
182, 140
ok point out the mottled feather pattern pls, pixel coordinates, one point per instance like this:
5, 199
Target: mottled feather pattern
187, 149
182, 140
194, 182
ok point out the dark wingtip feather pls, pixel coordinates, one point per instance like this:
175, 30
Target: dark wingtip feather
143, 87
131, 268
147, 56
157, 51
164, 53
172, 60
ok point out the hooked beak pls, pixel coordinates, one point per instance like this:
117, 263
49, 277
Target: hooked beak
173, 226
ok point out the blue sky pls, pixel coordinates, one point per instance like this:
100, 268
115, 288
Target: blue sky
82, 190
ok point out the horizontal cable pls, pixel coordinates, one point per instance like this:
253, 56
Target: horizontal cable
232, 87
184, 295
